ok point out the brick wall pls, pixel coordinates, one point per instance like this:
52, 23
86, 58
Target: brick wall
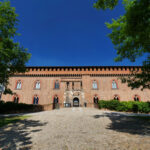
85, 76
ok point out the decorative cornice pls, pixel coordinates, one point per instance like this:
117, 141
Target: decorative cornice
68, 75
81, 67
78, 70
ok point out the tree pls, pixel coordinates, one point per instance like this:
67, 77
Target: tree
12, 56
131, 37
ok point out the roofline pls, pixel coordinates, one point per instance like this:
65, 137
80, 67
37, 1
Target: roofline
83, 66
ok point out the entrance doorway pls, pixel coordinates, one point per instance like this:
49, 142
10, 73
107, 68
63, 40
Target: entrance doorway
56, 102
75, 102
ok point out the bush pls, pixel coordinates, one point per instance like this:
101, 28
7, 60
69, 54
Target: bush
143, 107
135, 108
11, 107
127, 106
2, 102
113, 104
102, 104
122, 107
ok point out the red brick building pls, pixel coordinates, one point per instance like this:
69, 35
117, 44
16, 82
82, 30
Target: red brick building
81, 85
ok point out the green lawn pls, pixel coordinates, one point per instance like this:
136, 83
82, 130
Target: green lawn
7, 120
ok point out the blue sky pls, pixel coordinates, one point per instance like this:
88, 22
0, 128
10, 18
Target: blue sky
66, 33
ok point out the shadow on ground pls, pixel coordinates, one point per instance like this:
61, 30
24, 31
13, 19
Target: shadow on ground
127, 124
18, 133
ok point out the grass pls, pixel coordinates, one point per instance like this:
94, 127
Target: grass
8, 120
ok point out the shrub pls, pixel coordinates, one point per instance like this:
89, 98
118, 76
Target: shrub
143, 107
122, 107
135, 108
127, 106
11, 107
113, 104
2, 102
102, 104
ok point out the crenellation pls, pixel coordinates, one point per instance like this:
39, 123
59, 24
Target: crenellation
74, 76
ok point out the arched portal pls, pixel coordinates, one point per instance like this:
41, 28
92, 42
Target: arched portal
55, 102
16, 99
76, 102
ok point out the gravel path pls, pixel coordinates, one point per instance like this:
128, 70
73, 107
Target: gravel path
77, 129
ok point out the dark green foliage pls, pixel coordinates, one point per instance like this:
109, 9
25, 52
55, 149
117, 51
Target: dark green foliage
112, 105
139, 80
102, 104
131, 37
127, 106
135, 108
124, 106
104, 4
143, 107
1, 102
11, 107
12, 56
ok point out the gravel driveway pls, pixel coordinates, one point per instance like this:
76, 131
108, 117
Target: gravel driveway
77, 129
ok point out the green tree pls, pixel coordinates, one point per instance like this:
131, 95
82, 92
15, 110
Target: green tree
12, 56
131, 37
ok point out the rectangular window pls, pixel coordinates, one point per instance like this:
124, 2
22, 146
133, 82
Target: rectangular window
56, 85
18, 87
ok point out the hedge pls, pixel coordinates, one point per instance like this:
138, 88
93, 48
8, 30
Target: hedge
127, 106
11, 107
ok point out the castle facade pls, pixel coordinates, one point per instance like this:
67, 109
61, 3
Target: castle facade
73, 86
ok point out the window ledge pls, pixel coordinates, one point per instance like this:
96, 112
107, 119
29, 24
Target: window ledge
37, 89
56, 89
115, 89
17, 89
95, 89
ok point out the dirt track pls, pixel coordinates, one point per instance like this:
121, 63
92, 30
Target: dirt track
77, 129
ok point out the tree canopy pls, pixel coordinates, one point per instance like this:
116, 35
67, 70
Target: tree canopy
12, 56
131, 37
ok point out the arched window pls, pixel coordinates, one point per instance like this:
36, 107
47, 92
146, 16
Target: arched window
94, 85
56, 84
114, 84
56, 99
136, 98
55, 102
16, 99
37, 85
95, 99
18, 85
67, 85
36, 100
116, 97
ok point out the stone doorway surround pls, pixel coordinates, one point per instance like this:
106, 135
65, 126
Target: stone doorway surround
73, 89
70, 95
76, 102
